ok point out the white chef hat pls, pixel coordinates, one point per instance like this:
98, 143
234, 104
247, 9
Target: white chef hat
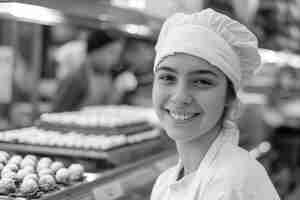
220, 40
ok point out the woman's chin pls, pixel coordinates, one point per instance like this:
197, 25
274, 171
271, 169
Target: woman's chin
185, 134
179, 136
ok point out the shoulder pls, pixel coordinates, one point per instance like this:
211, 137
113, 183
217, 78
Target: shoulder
240, 174
162, 182
237, 165
238, 162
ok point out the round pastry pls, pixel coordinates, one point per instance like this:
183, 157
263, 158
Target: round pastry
42, 165
9, 175
30, 157
16, 159
29, 186
4, 170
47, 182
7, 186
3, 159
63, 176
29, 168
31, 176
45, 171
1, 166
27, 162
12, 167
76, 172
45, 160
23, 172
5, 154
56, 166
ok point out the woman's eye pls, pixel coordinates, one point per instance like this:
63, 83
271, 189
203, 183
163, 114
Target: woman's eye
203, 83
166, 78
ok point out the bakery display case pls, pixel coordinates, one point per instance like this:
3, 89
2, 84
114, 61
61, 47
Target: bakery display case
58, 161
33, 177
116, 134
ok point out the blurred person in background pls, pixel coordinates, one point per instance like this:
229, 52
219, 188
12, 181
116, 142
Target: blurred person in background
282, 116
70, 57
137, 62
285, 87
92, 82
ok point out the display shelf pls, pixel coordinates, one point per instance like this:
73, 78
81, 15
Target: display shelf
61, 189
74, 139
118, 155
33, 176
108, 120
132, 181
126, 129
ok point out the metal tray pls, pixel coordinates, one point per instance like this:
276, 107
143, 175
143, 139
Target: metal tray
119, 155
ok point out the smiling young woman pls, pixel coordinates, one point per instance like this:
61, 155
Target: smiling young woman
202, 60
189, 95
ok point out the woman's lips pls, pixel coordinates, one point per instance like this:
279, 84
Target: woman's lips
182, 116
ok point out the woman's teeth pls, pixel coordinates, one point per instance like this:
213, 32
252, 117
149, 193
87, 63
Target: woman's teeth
181, 116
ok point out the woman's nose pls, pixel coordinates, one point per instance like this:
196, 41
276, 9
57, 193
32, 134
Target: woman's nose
181, 95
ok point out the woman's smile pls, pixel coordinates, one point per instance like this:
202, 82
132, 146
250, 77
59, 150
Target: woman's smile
182, 116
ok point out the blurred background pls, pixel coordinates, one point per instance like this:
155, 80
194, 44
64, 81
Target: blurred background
76, 79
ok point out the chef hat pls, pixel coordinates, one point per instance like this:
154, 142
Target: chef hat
220, 40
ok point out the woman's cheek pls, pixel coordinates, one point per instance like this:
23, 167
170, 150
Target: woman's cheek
156, 96
159, 96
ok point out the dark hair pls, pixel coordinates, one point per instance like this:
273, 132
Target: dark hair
231, 94
98, 39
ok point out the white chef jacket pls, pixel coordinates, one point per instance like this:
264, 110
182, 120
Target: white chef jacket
227, 172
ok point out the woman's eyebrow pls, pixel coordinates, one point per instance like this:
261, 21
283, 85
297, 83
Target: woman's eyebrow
203, 72
166, 68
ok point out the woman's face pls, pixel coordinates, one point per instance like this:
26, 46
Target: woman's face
189, 96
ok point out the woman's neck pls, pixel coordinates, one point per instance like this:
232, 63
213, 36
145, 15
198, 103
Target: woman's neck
192, 152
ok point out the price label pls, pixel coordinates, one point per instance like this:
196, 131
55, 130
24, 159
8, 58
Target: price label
108, 191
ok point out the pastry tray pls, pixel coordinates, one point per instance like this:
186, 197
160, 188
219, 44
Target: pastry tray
125, 182
59, 188
124, 129
116, 155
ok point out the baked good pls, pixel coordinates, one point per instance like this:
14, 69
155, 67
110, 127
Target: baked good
31, 176
27, 162
12, 166
29, 186
45, 171
9, 175
76, 172
56, 165
16, 159
7, 186
63, 176
47, 183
